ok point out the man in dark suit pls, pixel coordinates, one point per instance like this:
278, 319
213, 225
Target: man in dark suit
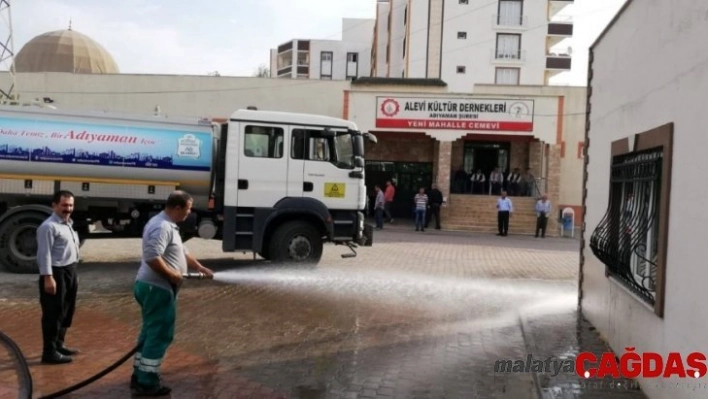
435, 200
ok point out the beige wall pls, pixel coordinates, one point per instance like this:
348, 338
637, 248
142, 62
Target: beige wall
633, 94
190, 96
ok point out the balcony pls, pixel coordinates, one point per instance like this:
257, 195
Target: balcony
560, 29
285, 71
556, 7
508, 57
558, 62
285, 47
506, 22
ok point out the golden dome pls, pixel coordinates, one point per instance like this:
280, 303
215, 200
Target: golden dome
64, 51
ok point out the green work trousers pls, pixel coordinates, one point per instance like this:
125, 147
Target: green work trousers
158, 314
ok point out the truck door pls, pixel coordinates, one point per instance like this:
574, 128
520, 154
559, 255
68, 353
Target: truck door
328, 164
263, 164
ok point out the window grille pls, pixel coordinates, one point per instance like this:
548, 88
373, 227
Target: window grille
627, 238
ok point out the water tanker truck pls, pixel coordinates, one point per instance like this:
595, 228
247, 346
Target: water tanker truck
275, 184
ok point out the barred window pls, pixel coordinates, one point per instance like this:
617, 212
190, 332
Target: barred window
631, 238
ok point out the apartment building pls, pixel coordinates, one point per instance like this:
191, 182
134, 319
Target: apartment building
467, 42
327, 59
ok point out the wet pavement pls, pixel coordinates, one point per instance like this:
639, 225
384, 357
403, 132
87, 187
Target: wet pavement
419, 315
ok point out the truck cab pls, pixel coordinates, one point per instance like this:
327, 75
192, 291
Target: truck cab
288, 182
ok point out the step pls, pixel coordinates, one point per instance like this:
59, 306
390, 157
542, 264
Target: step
493, 230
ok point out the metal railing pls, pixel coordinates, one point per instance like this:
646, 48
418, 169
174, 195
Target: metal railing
626, 239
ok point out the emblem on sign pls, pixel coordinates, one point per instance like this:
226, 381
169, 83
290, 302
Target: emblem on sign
188, 146
390, 107
518, 110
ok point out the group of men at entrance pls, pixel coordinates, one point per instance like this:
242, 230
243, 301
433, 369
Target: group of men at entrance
427, 204
515, 183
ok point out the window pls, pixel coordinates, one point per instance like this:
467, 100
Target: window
507, 76
460, 69
404, 47
352, 65
263, 142
508, 46
510, 13
326, 64
631, 239
462, 35
315, 145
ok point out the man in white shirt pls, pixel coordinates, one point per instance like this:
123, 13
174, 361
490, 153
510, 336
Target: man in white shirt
478, 179
543, 210
496, 179
379, 207
505, 209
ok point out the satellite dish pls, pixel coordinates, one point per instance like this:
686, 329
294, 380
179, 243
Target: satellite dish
570, 50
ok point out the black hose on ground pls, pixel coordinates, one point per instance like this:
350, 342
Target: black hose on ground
24, 367
25, 371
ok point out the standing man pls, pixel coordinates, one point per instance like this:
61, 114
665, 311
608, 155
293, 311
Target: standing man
543, 210
505, 209
156, 285
478, 179
379, 207
496, 180
57, 256
435, 199
388, 197
421, 203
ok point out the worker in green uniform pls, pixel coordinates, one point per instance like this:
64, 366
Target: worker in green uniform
164, 261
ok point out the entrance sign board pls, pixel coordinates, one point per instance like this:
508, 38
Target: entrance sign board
431, 113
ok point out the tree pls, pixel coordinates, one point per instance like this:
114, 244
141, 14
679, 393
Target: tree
262, 72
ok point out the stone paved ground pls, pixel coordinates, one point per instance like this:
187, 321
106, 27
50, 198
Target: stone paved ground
419, 315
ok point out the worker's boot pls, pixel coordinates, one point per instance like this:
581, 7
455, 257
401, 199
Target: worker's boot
158, 390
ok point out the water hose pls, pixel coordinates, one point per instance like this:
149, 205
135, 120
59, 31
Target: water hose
24, 367
27, 375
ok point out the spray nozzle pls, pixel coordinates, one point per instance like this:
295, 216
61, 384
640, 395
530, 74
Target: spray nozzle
196, 276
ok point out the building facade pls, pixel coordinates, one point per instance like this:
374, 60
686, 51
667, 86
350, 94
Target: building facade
344, 59
463, 42
428, 135
642, 281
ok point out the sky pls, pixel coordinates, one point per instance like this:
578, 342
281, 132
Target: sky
233, 37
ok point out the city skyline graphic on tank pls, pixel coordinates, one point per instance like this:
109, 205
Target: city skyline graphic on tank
32, 140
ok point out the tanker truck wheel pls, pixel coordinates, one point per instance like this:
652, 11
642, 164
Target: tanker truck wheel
18, 242
296, 242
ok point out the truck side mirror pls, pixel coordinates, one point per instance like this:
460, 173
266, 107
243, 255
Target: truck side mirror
359, 162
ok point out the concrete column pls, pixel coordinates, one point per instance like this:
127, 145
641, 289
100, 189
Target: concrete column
443, 161
436, 151
536, 158
553, 185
